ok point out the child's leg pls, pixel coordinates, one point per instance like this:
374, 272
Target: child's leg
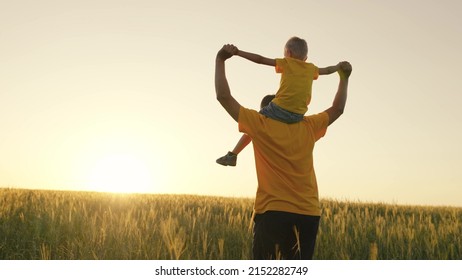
241, 144
231, 157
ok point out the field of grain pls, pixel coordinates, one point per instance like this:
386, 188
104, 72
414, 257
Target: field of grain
82, 225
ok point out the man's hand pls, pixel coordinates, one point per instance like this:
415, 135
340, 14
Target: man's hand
344, 69
227, 51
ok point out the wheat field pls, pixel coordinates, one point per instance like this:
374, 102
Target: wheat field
64, 225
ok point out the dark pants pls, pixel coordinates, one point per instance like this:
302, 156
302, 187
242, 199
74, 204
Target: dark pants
283, 235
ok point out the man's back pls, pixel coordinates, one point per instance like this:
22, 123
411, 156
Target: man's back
284, 161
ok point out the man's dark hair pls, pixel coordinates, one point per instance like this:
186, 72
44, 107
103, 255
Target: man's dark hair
266, 100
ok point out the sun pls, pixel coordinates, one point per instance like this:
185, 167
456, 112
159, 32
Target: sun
121, 173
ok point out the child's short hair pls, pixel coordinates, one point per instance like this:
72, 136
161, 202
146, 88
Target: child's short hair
297, 47
266, 100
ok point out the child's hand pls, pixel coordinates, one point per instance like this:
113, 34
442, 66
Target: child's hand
227, 51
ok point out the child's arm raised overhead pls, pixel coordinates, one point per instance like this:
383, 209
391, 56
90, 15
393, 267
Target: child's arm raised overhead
328, 70
257, 58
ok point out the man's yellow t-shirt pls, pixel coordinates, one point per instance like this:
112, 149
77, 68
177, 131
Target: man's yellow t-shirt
297, 77
284, 161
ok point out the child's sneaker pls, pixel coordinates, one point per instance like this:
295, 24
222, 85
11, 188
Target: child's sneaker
228, 159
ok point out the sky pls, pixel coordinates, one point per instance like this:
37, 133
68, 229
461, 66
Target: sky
112, 95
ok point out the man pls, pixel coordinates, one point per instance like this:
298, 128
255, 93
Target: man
287, 204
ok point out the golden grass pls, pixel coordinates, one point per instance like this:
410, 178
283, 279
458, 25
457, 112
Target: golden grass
82, 225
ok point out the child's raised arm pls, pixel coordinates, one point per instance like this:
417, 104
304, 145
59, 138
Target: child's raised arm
257, 58
328, 70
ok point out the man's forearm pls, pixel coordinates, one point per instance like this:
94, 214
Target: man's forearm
342, 92
221, 83
341, 96
338, 105
222, 90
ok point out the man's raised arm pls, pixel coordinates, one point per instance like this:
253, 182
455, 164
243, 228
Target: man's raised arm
338, 106
221, 83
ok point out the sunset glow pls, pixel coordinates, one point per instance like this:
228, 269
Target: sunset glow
121, 173
119, 95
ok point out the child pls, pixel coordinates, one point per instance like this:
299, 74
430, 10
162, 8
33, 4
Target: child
294, 94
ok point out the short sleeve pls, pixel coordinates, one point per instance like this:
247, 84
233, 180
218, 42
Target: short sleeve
315, 73
246, 121
319, 124
279, 65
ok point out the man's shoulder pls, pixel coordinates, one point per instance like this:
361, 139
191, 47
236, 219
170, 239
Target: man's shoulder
248, 115
318, 121
247, 111
317, 117
249, 120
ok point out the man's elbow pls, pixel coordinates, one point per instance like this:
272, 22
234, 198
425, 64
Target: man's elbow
225, 100
334, 113
230, 105
339, 111
338, 107
222, 99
